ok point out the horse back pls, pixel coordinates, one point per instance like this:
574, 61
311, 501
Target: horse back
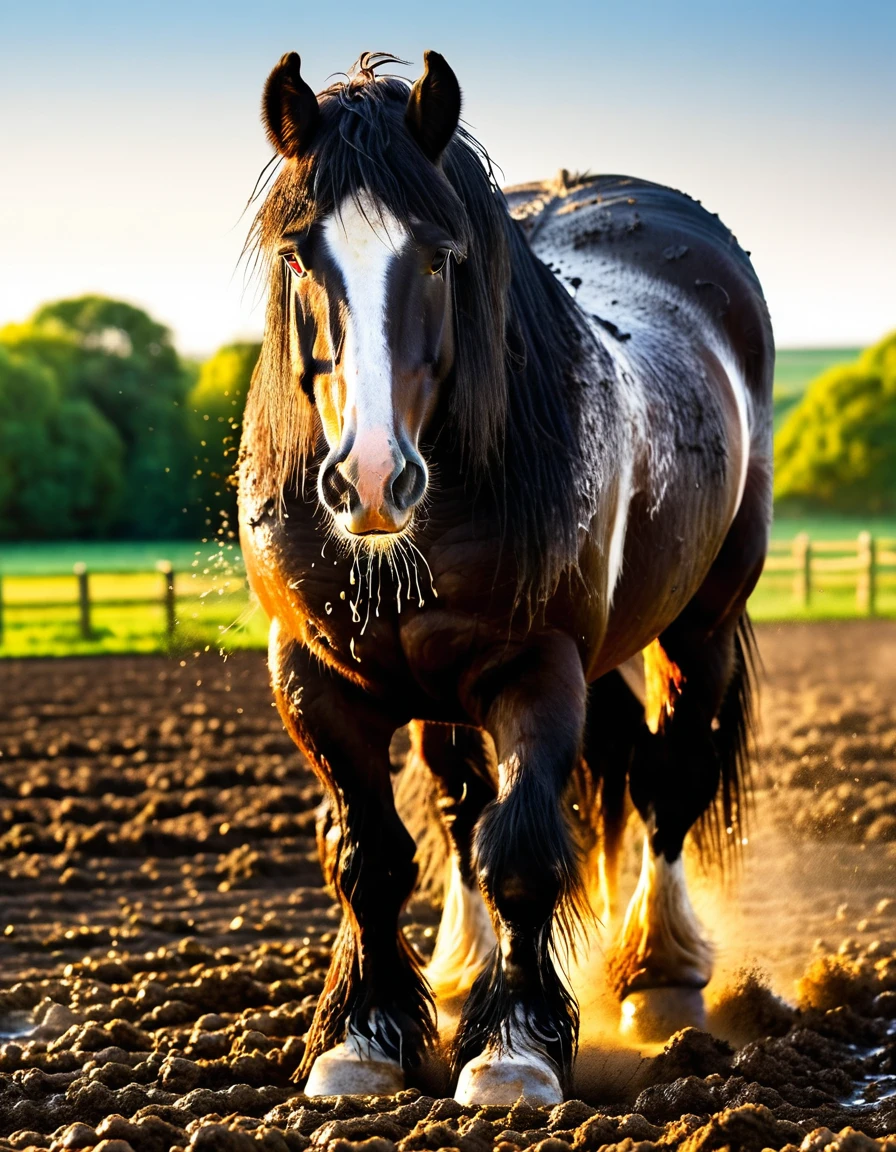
668, 238
674, 301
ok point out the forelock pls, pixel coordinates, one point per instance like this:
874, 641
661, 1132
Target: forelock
362, 151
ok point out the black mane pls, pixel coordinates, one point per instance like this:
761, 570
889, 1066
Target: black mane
515, 392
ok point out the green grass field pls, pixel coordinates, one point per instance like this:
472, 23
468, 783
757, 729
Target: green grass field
833, 594
57, 558
41, 613
832, 527
214, 609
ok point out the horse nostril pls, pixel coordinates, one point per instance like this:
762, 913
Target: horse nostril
408, 486
334, 487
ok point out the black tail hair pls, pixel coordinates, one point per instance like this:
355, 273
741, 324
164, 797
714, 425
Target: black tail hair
723, 827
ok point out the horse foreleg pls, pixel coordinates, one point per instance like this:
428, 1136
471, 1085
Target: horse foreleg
375, 1016
519, 1027
461, 760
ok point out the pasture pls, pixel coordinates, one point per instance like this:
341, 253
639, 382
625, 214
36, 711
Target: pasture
128, 610
215, 612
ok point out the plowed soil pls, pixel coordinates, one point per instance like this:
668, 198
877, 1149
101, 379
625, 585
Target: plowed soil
164, 933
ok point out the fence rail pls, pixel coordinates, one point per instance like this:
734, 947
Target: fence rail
83, 599
795, 569
859, 562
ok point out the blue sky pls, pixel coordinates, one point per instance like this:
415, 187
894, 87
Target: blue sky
131, 135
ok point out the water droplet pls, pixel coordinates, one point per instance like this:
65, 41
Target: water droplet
328, 607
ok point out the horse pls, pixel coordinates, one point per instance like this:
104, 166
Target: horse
505, 478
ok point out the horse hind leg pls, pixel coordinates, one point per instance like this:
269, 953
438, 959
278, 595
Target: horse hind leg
690, 753
662, 960
460, 761
601, 807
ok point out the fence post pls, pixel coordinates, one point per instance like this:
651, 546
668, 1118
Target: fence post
802, 560
866, 584
169, 600
84, 599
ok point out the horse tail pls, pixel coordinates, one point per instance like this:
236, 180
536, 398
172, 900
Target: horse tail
722, 830
417, 802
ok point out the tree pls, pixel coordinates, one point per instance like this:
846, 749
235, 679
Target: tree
216, 404
60, 460
115, 358
837, 448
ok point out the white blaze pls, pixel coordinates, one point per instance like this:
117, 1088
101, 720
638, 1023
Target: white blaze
364, 241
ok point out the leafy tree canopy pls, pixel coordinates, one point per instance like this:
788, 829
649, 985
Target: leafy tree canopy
837, 448
61, 468
216, 405
224, 380
117, 362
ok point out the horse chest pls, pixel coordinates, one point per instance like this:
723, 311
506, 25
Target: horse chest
415, 623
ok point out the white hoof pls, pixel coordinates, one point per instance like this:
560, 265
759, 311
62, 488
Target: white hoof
652, 1015
503, 1077
357, 1067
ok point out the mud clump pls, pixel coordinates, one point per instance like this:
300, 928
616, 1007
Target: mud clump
165, 933
747, 1009
832, 982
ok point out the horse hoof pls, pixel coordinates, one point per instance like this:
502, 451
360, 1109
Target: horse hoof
354, 1069
654, 1014
503, 1079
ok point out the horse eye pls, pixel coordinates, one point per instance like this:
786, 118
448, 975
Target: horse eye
439, 262
295, 265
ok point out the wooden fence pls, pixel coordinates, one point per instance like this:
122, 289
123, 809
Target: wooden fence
855, 563
799, 569
84, 602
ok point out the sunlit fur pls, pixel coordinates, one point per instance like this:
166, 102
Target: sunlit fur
663, 683
662, 942
465, 940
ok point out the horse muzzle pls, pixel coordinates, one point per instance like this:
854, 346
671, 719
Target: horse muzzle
373, 488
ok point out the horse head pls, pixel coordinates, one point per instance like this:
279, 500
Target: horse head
368, 276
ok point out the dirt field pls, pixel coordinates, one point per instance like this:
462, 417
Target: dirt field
164, 935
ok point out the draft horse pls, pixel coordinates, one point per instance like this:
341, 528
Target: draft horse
504, 476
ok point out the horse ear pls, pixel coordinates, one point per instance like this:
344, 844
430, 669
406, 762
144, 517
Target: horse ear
289, 108
434, 106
